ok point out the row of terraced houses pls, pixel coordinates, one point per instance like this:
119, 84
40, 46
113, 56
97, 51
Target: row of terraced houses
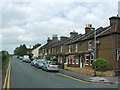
80, 50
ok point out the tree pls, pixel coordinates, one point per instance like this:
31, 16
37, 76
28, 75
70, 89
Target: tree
101, 64
21, 50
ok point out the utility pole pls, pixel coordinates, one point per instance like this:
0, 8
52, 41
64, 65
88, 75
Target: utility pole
95, 52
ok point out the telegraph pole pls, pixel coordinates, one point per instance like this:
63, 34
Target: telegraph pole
95, 52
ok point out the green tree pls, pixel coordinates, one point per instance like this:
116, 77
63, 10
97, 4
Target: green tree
21, 50
101, 64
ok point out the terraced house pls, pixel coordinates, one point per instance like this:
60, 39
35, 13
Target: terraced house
80, 50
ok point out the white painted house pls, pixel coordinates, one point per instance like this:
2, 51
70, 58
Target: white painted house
35, 50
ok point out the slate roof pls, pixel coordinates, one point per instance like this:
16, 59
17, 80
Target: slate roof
100, 32
61, 42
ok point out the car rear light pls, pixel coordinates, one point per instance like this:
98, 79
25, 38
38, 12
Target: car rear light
48, 65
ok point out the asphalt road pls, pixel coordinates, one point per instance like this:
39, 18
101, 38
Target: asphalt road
23, 75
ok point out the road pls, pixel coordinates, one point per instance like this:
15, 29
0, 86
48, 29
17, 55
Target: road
23, 75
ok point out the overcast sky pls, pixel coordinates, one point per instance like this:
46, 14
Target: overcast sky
28, 22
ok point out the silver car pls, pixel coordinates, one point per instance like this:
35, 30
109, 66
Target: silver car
39, 64
34, 62
50, 66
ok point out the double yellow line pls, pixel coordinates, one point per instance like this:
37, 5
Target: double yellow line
6, 84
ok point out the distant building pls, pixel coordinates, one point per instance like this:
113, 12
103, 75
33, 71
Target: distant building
35, 51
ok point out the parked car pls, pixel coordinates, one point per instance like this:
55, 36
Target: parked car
20, 57
28, 61
39, 64
50, 66
24, 60
34, 62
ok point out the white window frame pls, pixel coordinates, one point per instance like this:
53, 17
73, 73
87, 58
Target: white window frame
90, 45
49, 51
76, 47
69, 48
77, 61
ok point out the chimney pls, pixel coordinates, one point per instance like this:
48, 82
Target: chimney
89, 28
54, 37
114, 20
73, 34
49, 40
63, 38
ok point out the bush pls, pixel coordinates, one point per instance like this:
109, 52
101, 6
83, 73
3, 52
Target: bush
5, 58
101, 64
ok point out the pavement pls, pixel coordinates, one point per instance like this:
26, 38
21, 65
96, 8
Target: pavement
89, 78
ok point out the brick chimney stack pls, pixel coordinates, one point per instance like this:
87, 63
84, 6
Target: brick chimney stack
89, 28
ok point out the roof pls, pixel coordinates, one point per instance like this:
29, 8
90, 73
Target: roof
36, 46
50, 44
72, 39
100, 32
111, 30
61, 42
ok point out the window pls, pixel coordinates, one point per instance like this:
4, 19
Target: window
91, 59
49, 51
76, 47
89, 45
73, 62
77, 61
87, 59
69, 48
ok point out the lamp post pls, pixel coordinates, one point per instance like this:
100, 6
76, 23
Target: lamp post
95, 52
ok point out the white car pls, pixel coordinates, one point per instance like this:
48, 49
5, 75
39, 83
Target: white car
50, 66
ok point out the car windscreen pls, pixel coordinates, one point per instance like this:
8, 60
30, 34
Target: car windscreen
40, 61
53, 63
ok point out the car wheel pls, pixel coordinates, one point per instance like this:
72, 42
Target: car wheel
46, 69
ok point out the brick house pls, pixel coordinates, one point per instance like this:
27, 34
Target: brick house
78, 49
46, 50
107, 45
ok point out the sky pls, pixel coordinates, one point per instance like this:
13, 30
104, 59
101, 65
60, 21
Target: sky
30, 22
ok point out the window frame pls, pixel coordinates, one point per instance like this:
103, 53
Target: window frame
90, 45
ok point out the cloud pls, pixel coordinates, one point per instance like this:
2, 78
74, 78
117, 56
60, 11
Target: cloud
32, 22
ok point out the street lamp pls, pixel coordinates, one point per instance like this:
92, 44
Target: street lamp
94, 53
